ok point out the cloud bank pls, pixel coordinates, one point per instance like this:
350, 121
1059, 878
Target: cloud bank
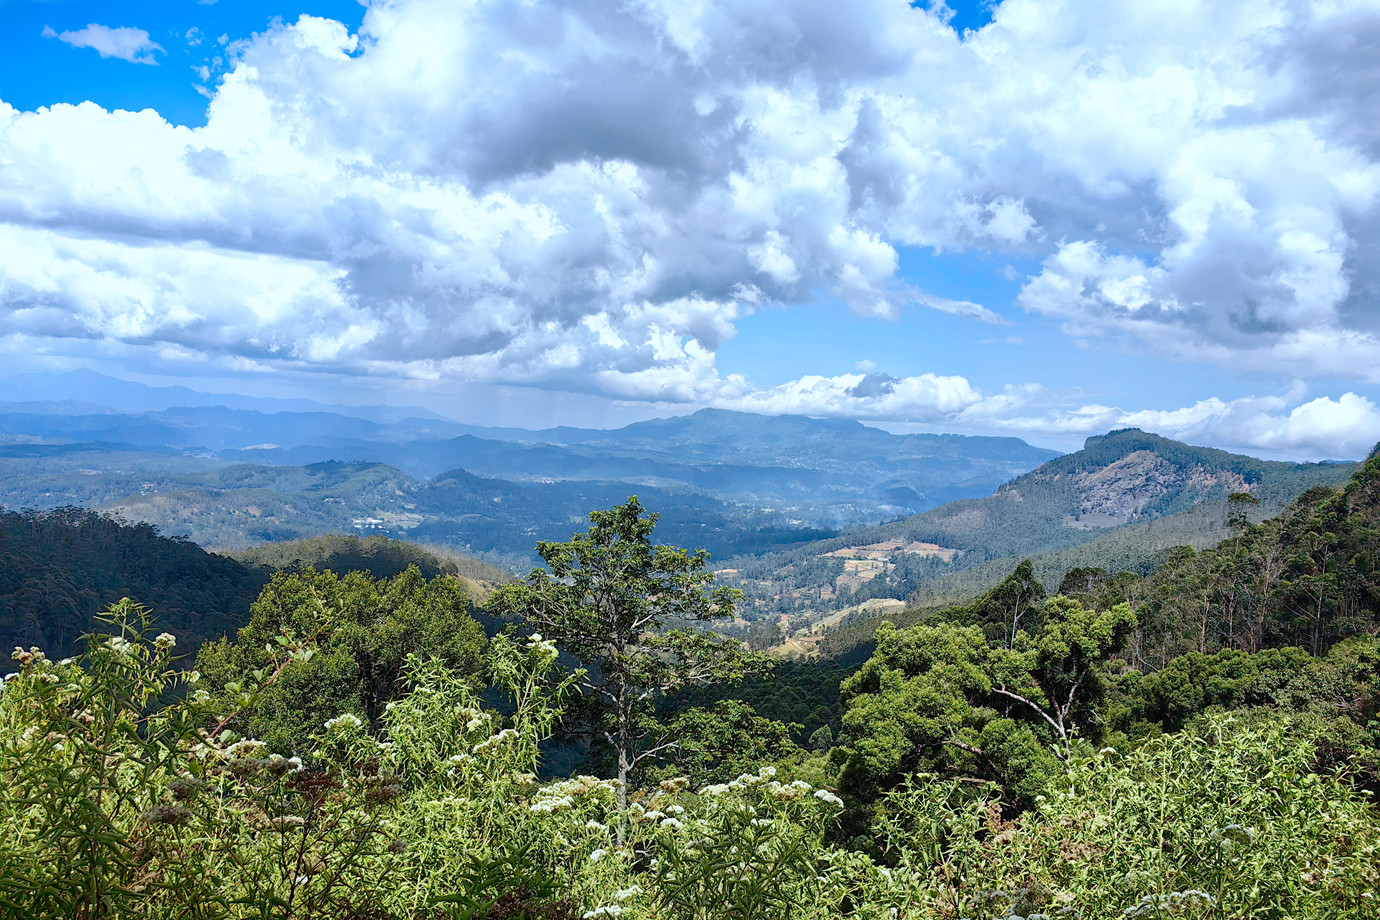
591, 195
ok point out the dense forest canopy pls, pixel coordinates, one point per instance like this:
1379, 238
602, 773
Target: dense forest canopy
59, 569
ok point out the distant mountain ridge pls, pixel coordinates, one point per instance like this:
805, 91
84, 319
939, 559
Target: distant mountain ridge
822, 472
1117, 478
1121, 481
86, 391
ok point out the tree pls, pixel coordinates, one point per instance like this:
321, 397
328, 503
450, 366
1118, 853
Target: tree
606, 596
365, 630
715, 744
1056, 674
1238, 511
1082, 580
1002, 611
923, 703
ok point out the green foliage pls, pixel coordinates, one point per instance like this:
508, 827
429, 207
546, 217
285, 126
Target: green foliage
1223, 822
1230, 679
716, 744
1005, 758
365, 629
947, 699
121, 801
119, 804
379, 556
1305, 578
607, 597
796, 692
60, 569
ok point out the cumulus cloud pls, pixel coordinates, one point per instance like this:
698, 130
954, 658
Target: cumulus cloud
593, 195
123, 42
1287, 426
1346, 427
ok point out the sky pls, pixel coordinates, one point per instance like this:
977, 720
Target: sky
1040, 218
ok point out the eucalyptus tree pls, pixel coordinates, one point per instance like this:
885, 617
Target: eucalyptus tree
608, 596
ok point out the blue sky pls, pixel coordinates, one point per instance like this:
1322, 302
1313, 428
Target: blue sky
36, 70
1036, 218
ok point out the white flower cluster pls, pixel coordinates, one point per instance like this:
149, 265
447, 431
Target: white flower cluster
347, 721
824, 795
284, 763
789, 792
165, 640
494, 742
1234, 837
544, 649
247, 747
33, 656
608, 910
552, 806
747, 781
118, 644
562, 796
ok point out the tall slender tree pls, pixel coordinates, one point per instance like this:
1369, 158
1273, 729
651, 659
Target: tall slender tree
607, 597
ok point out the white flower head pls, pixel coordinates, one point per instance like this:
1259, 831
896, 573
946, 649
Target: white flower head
824, 795
343, 722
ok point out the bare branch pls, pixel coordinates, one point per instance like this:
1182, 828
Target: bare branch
1058, 727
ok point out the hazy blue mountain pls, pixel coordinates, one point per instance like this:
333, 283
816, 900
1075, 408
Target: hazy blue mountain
242, 505
85, 391
215, 428
825, 472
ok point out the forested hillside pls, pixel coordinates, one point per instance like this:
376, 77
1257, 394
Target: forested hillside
1306, 577
380, 556
1119, 502
242, 505
59, 569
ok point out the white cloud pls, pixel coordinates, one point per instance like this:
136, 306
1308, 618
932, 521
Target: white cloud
1346, 427
123, 42
593, 198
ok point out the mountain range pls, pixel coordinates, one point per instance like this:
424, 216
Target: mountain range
807, 472
806, 514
